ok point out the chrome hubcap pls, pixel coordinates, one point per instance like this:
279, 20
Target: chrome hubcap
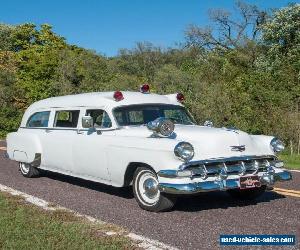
150, 187
24, 168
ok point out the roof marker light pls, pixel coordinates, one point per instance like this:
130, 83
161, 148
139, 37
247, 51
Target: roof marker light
118, 96
145, 88
180, 97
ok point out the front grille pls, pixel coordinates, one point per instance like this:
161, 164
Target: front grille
231, 167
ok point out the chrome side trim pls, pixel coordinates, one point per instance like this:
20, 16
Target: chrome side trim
69, 129
228, 159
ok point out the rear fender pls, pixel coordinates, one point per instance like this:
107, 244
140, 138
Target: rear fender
24, 147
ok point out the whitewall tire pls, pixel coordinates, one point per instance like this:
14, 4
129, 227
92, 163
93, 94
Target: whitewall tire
146, 192
28, 170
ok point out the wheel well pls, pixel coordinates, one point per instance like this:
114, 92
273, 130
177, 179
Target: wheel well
130, 171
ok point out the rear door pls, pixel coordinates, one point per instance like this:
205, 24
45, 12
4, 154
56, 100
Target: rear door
59, 138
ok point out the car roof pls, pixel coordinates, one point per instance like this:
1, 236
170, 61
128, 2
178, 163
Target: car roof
102, 99
98, 99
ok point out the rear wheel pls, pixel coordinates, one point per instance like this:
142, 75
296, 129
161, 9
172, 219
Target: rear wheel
147, 194
247, 194
28, 170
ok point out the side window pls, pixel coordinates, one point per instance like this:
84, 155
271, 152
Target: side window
39, 119
66, 118
100, 117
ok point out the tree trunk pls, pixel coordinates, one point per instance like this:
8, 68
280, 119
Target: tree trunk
291, 147
298, 146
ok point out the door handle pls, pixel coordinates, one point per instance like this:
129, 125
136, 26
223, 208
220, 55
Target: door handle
48, 130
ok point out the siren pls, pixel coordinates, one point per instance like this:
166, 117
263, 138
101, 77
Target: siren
145, 89
118, 96
180, 97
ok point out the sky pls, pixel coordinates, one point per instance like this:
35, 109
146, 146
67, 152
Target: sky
105, 26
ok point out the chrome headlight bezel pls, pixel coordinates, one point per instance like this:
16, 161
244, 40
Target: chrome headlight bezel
184, 151
276, 145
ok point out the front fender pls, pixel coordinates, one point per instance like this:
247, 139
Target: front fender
155, 152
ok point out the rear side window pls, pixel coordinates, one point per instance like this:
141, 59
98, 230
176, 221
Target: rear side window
39, 119
66, 118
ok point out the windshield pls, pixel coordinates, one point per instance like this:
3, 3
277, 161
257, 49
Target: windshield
142, 114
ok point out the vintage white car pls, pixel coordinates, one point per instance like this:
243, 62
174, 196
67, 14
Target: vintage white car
146, 140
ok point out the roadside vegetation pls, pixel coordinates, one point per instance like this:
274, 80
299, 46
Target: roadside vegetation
242, 70
291, 161
24, 226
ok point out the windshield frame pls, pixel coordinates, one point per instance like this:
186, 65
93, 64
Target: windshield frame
152, 104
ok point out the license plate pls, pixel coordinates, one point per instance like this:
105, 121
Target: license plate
249, 182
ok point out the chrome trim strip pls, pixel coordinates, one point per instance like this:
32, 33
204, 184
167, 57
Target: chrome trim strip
69, 129
168, 174
217, 185
224, 160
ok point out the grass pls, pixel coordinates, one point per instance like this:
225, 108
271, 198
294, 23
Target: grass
24, 226
291, 161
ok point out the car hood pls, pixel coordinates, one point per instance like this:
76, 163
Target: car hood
211, 142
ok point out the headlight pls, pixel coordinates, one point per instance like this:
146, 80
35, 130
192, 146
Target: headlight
184, 151
277, 145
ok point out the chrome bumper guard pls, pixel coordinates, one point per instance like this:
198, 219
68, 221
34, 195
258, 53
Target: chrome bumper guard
223, 174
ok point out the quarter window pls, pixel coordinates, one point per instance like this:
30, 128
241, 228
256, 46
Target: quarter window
100, 118
39, 119
66, 118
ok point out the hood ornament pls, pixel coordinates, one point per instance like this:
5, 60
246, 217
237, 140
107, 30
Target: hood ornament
240, 148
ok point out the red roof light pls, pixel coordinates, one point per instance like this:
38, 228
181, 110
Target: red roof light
118, 96
145, 88
180, 97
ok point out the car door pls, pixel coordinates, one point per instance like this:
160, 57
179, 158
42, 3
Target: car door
90, 146
58, 140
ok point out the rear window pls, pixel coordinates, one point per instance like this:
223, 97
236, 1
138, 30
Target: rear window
39, 119
66, 118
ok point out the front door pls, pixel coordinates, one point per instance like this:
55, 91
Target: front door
90, 145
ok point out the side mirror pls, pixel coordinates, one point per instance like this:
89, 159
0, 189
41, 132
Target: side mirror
208, 124
87, 122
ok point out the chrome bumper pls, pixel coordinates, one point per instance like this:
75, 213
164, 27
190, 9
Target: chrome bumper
206, 186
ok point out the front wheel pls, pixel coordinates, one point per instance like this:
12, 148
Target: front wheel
28, 170
247, 194
147, 194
